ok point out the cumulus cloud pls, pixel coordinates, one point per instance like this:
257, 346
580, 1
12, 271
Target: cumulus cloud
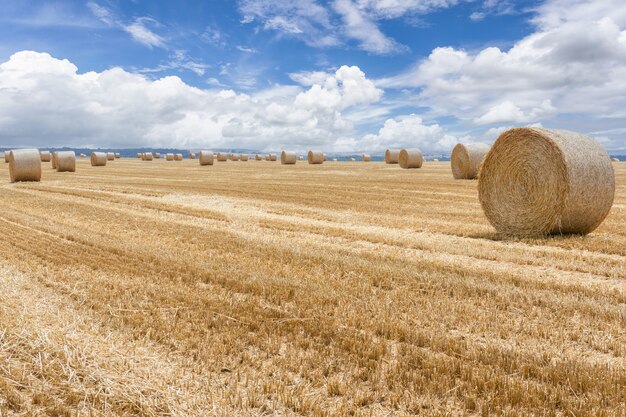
47, 102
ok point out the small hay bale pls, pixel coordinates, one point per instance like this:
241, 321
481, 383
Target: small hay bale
53, 160
392, 156
46, 156
6, 156
234, 157
147, 156
110, 156
410, 158
300, 158
366, 157
139, 155
169, 156
98, 159
244, 158
614, 159
117, 155
192, 155
156, 155
24, 165
82, 155
222, 157
315, 157
435, 160
535, 182
352, 159
288, 158
178, 157
205, 158
273, 157
258, 157
65, 161
466, 160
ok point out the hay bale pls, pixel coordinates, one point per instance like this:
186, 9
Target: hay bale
352, 159
169, 156
45, 156
614, 159
288, 158
82, 155
234, 157
24, 165
65, 161
334, 159
222, 157
6, 156
366, 157
53, 160
110, 156
300, 158
178, 157
435, 160
315, 157
139, 155
147, 156
117, 155
205, 158
410, 158
258, 157
244, 158
98, 159
466, 160
156, 155
325, 157
192, 155
273, 157
535, 182
392, 156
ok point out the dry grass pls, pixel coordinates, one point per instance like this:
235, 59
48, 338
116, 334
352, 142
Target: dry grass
158, 289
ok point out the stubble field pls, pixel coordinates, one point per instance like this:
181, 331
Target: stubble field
250, 288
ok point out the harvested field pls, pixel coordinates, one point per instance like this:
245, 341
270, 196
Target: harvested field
178, 289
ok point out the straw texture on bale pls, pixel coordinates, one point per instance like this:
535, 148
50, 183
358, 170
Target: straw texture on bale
366, 158
46, 156
65, 161
288, 158
222, 157
24, 165
466, 160
535, 182
234, 157
53, 160
243, 158
315, 157
169, 156
258, 157
98, 159
392, 156
410, 158
178, 157
110, 156
147, 156
205, 158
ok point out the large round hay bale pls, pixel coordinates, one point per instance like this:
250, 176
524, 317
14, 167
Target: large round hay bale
53, 160
24, 165
169, 156
110, 156
98, 159
147, 156
45, 156
392, 156
315, 157
244, 157
234, 157
466, 160
538, 181
65, 161
258, 157
366, 157
205, 158
410, 158
222, 157
288, 158
178, 157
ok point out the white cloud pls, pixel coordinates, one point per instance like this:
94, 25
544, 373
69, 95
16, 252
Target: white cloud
142, 34
246, 49
47, 102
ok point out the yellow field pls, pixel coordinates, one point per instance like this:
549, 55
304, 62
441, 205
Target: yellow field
251, 288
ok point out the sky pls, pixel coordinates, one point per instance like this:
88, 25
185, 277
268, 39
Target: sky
337, 75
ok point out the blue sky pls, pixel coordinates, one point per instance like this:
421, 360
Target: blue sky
339, 74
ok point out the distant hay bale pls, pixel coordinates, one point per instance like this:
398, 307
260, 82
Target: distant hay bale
178, 157
288, 158
258, 157
325, 157
117, 155
156, 155
98, 159
147, 156
273, 157
392, 156
410, 158
466, 160
300, 158
110, 156
366, 157
205, 158
24, 165
334, 159
614, 159
82, 155
315, 157
234, 157
192, 155
169, 156
222, 157
244, 158
65, 161
53, 160
139, 155
535, 182
352, 159
435, 160
46, 156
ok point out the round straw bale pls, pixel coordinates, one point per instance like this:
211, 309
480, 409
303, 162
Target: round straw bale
98, 159
156, 155
169, 156
325, 157
315, 157
46, 156
466, 160
288, 158
258, 157
65, 161
366, 158
178, 157
300, 158
53, 160
536, 181
352, 159
110, 156
244, 157
234, 157
82, 155
205, 158
6, 156
392, 156
24, 165
410, 158
192, 155
614, 159
147, 156
222, 157
139, 155
273, 157
117, 155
